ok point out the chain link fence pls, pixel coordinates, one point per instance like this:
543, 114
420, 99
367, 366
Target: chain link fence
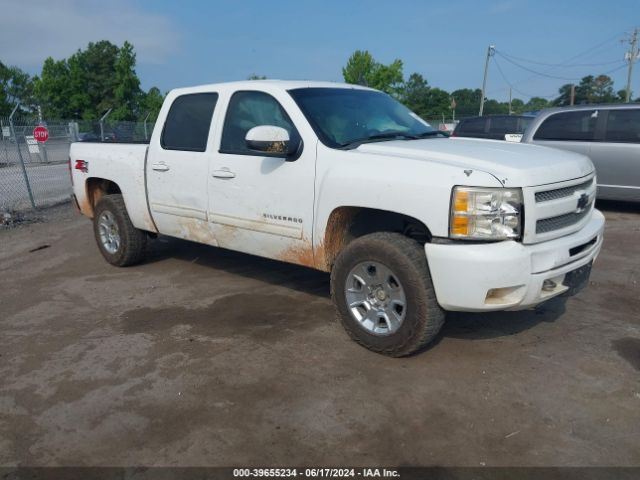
34, 174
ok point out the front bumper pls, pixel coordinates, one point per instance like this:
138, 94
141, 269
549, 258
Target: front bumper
509, 275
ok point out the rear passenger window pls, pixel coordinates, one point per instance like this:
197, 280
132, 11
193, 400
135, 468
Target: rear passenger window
577, 126
247, 110
623, 126
188, 122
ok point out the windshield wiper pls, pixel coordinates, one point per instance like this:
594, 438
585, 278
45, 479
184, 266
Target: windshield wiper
431, 133
378, 137
391, 136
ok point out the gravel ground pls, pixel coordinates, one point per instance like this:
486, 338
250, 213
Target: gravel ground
202, 356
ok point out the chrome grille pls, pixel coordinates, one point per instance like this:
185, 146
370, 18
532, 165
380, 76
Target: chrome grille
561, 192
562, 221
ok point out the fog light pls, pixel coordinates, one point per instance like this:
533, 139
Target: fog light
549, 286
506, 295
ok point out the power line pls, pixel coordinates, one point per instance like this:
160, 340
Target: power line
591, 49
579, 55
558, 65
541, 74
504, 77
512, 86
615, 69
514, 60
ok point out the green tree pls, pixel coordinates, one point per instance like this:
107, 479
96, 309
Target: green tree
438, 103
517, 106
16, 86
151, 103
79, 102
415, 94
536, 103
127, 85
53, 89
91, 81
603, 89
494, 107
467, 101
591, 89
253, 76
99, 62
621, 95
362, 69
426, 101
565, 95
4, 101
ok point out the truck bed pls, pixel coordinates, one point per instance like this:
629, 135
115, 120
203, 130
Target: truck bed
121, 163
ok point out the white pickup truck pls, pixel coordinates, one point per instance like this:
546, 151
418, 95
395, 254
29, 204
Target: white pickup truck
347, 180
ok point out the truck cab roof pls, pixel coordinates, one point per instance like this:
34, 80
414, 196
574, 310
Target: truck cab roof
267, 84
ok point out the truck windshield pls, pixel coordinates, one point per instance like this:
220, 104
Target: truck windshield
348, 117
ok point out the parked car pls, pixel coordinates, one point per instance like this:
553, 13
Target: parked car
109, 136
608, 134
496, 127
88, 137
347, 180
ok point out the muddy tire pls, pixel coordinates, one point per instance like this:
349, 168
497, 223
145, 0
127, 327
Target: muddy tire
120, 243
382, 290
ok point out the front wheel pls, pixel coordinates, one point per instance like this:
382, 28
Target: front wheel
120, 243
382, 290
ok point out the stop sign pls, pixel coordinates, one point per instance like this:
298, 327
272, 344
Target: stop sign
41, 134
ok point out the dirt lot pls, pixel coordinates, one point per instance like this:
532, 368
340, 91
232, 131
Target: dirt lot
206, 357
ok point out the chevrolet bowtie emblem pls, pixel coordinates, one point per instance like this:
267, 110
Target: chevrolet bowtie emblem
583, 201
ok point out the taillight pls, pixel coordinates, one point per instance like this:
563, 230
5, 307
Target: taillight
82, 165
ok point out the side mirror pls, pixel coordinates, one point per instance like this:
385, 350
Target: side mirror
272, 141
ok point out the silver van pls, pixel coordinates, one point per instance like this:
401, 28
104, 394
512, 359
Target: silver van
608, 134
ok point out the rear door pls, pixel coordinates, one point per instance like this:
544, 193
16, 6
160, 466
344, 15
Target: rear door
178, 167
572, 130
617, 155
257, 204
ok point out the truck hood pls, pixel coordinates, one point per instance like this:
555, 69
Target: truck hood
513, 164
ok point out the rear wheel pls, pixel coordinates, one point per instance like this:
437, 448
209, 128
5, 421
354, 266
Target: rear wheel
120, 243
382, 290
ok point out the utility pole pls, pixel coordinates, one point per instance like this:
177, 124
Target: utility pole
510, 111
490, 51
572, 97
631, 56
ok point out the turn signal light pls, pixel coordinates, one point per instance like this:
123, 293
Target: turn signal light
460, 226
461, 201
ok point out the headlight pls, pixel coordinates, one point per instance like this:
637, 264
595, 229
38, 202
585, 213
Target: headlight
486, 213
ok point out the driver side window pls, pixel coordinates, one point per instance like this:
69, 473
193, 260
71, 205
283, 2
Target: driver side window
247, 110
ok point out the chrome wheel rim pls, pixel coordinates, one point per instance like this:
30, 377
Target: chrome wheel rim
375, 298
109, 232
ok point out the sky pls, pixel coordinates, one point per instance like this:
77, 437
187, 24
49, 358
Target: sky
181, 43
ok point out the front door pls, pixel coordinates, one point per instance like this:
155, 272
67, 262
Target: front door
257, 204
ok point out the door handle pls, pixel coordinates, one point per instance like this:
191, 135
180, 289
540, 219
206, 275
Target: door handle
223, 174
160, 167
